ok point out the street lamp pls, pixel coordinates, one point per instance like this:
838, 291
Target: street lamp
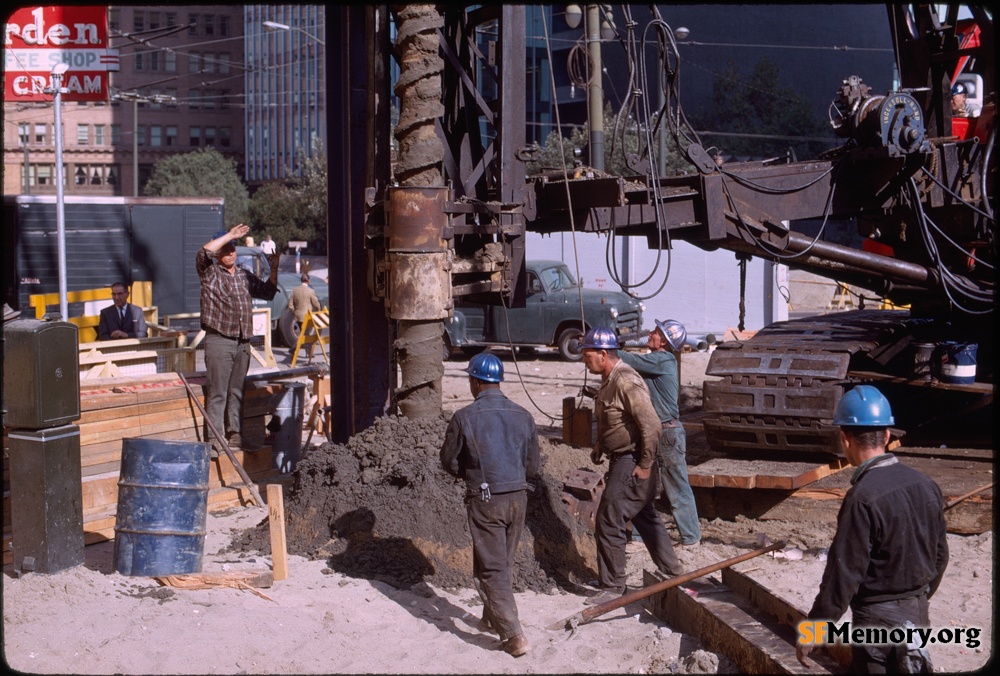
57, 75
273, 26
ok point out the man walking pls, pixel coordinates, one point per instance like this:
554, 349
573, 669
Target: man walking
628, 431
659, 370
492, 443
121, 319
890, 550
303, 299
227, 293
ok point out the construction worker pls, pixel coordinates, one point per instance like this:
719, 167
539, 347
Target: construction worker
493, 444
960, 105
659, 369
890, 550
628, 432
227, 293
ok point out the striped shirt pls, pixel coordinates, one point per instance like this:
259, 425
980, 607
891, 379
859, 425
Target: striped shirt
227, 300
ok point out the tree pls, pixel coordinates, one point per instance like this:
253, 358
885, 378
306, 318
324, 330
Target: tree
616, 148
757, 105
202, 173
295, 210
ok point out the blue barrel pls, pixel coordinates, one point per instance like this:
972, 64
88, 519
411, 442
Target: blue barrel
162, 505
958, 362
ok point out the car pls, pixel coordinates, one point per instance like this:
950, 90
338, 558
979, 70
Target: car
282, 319
550, 317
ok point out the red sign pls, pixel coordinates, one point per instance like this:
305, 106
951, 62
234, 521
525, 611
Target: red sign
38, 38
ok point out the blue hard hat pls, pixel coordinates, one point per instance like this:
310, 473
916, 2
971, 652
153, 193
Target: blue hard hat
674, 332
487, 367
959, 88
599, 338
864, 406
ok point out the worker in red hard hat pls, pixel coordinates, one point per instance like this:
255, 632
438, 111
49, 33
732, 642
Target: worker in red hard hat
493, 445
628, 431
890, 550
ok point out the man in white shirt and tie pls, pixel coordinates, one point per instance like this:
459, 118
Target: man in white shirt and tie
121, 320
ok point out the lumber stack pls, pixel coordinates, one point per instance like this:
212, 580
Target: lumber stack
153, 407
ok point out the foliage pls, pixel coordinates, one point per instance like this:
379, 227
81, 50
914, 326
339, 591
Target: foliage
618, 143
757, 105
296, 210
202, 173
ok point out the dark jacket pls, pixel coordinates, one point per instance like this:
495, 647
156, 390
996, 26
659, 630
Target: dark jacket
494, 441
891, 540
134, 324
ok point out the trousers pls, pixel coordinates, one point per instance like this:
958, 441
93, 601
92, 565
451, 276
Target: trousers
671, 452
496, 526
891, 658
626, 498
227, 361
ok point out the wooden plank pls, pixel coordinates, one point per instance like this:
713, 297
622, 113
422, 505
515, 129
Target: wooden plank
276, 523
783, 611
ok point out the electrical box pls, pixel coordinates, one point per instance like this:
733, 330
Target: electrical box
41, 374
46, 499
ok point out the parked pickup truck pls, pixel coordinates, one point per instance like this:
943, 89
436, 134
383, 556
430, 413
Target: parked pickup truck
550, 318
282, 320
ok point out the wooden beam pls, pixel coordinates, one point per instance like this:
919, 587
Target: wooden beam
276, 522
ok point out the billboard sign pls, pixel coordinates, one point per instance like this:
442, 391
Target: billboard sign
38, 38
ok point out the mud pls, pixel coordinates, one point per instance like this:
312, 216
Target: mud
381, 507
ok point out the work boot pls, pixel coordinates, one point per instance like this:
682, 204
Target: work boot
516, 646
605, 596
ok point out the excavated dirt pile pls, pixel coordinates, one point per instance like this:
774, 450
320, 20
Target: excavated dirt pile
381, 507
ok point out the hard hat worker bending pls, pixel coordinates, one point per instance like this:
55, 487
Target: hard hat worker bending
493, 444
890, 550
628, 431
659, 368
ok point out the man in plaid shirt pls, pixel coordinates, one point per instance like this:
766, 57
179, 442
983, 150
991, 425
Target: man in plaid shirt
227, 293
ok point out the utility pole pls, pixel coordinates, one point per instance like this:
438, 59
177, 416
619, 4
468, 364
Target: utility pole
57, 77
595, 88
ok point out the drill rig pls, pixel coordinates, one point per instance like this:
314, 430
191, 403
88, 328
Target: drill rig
920, 193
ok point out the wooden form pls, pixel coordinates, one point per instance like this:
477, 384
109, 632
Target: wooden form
276, 523
154, 407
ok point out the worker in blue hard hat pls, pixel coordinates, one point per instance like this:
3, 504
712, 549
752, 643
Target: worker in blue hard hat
890, 550
628, 431
493, 445
660, 369
960, 104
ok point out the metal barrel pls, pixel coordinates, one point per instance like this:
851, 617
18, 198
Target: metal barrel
286, 427
162, 504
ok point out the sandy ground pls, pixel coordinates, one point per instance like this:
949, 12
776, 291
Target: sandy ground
92, 620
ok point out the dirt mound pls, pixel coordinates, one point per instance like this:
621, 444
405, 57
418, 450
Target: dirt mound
381, 507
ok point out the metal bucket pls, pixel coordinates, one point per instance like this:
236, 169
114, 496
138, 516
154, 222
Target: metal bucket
286, 427
923, 361
958, 362
162, 504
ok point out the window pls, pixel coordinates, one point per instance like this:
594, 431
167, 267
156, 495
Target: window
225, 137
154, 61
209, 136
172, 93
80, 176
23, 133
99, 137
195, 133
209, 27
138, 22
82, 134
224, 26
192, 24
154, 20
170, 61
41, 133
171, 135
44, 173
156, 136
210, 99
140, 135
116, 134
171, 18
194, 63
114, 20
194, 99
140, 60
